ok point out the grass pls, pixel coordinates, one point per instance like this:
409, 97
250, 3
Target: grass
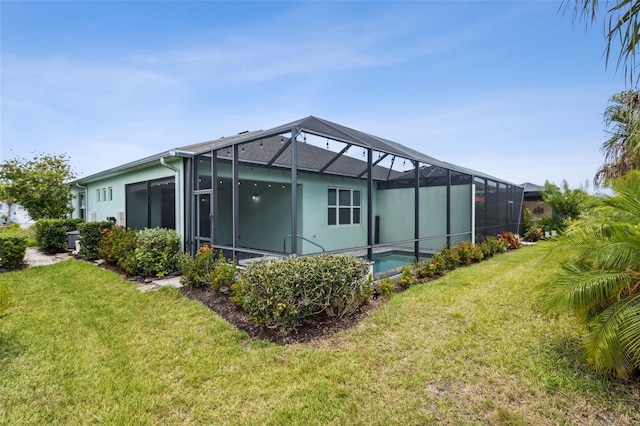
81, 346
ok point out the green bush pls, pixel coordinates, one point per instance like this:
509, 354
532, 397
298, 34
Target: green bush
118, 246
157, 252
90, 235
281, 293
407, 277
51, 234
208, 268
386, 286
13, 246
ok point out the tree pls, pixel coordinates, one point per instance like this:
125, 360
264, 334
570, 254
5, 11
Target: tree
600, 277
39, 185
567, 203
622, 148
623, 26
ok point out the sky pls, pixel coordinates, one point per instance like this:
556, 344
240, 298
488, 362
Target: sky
514, 89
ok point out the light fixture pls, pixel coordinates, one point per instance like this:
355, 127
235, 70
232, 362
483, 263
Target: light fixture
255, 197
404, 161
220, 181
363, 152
281, 139
255, 184
242, 148
260, 143
305, 138
327, 143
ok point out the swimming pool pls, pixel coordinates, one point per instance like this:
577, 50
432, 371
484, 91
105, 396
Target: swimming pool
388, 263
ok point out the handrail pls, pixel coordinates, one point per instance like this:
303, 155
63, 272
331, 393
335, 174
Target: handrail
284, 242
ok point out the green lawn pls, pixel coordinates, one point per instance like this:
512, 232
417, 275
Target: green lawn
82, 346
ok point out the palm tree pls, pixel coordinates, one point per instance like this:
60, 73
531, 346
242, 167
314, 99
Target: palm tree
623, 27
622, 148
600, 278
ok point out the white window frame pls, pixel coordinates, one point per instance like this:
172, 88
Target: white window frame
333, 210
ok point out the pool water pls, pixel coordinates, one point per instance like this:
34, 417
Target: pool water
387, 262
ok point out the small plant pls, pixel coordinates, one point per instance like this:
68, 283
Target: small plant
451, 258
208, 268
157, 252
386, 286
511, 240
407, 277
13, 246
118, 246
533, 234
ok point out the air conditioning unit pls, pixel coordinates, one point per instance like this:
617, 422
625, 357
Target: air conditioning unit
121, 218
91, 217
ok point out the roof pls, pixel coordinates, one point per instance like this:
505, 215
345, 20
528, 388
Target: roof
259, 148
532, 187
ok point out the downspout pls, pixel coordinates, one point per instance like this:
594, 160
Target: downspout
86, 200
176, 172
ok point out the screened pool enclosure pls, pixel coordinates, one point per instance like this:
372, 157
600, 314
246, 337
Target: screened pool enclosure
313, 186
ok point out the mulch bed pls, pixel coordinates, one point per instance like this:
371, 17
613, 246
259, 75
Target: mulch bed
315, 328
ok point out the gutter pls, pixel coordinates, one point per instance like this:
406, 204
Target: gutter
176, 172
86, 200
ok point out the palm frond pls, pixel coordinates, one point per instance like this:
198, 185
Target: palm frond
613, 344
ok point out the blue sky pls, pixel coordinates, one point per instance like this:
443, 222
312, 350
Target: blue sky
513, 89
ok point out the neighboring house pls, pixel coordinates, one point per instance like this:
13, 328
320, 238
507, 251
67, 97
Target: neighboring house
533, 201
18, 214
302, 187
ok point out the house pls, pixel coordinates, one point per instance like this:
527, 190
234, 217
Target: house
533, 201
14, 213
303, 187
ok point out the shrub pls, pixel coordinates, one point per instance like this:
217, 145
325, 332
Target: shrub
386, 286
451, 258
13, 246
118, 246
208, 268
492, 245
158, 252
51, 234
512, 241
281, 293
533, 234
407, 277
90, 235
438, 263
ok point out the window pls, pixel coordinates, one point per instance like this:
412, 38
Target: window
343, 206
98, 194
110, 193
151, 204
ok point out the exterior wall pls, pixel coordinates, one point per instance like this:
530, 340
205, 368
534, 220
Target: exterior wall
534, 206
265, 221
18, 214
116, 206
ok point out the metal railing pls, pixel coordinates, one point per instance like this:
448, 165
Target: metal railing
284, 242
